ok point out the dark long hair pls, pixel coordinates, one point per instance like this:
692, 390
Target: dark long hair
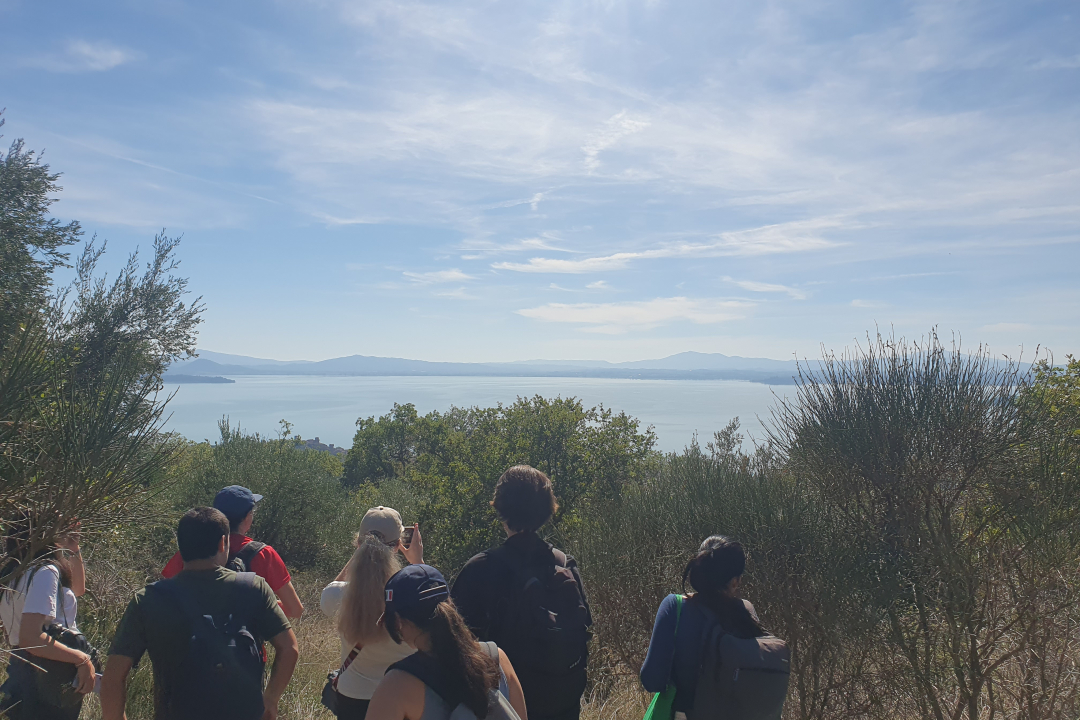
718, 561
17, 544
461, 658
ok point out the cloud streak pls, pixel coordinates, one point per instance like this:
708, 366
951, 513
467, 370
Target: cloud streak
618, 318
83, 56
761, 287
438, 276
801, 236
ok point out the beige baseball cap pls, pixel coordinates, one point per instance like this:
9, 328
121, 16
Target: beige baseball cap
384, 522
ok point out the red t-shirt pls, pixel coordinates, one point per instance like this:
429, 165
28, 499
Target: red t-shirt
267, 564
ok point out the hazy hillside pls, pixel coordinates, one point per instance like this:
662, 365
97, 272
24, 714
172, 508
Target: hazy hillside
684, 366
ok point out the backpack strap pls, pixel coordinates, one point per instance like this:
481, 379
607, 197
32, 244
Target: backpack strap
59, 601
426, 668
345, 665
171, 588
247, 553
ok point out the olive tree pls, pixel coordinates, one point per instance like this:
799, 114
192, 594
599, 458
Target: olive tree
80, 371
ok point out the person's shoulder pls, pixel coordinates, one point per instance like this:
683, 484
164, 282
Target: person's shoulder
480, 563
268, 561
247, 579
401, 683
562, 557
47, 573
335, 588
267, 552
43, 579
330, 598
484, 556
147, 597
670, 604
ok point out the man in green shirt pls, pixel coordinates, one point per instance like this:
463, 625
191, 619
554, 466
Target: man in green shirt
202, 630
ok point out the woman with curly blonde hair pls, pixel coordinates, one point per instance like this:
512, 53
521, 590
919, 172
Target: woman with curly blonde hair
356, 598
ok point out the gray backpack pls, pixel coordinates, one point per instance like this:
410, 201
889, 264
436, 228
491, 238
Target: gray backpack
499, 708
427, 670
741, 679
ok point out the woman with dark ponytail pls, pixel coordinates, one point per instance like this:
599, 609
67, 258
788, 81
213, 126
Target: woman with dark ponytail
450, 668
683, 621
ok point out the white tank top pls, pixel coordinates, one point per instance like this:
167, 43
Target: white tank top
364, 673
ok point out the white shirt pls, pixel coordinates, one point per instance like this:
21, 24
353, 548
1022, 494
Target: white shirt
40, 597
364, 673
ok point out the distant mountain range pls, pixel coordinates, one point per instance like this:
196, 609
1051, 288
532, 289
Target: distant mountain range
683, 366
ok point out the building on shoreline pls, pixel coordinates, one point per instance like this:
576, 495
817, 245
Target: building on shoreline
314, 444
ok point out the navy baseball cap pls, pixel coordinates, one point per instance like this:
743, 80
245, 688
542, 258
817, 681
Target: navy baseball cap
414, 591
235, 502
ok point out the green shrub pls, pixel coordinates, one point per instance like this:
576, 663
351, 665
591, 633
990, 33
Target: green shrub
451, 462
632, 550
305, 513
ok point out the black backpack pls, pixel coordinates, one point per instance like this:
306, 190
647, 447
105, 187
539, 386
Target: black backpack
543, 627
220, 674
240, 561
741, 678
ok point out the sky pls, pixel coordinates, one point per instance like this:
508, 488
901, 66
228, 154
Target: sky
494, 181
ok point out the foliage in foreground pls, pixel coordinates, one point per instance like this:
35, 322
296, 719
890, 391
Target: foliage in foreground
913, 534
80, 372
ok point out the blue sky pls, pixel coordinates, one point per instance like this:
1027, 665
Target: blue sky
605, 180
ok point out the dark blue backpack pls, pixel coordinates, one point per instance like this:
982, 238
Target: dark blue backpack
220, 675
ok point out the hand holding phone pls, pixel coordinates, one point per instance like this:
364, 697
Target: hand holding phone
412, 545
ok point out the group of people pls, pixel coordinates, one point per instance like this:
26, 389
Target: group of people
507, 641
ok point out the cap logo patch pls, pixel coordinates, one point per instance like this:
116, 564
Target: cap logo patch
389, 596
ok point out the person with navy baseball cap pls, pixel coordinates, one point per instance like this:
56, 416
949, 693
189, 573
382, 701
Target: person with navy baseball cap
235, 502
238, 504
448, 662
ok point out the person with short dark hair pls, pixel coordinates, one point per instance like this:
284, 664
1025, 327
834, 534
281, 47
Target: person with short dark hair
674, 654
204, 619
238, 504
490, 593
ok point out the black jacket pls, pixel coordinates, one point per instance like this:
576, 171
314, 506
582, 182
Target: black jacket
486, 583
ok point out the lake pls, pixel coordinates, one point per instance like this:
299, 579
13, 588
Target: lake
328, 407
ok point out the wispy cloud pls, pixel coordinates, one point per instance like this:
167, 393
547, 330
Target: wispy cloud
605, 263
611, 132
1058, 63
456, 294
615, 318
438, 276
478, 249
761, 287
83, 56
679, 144
800, 236
598, 285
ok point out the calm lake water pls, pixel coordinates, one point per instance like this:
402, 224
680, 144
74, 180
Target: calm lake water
328, 407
